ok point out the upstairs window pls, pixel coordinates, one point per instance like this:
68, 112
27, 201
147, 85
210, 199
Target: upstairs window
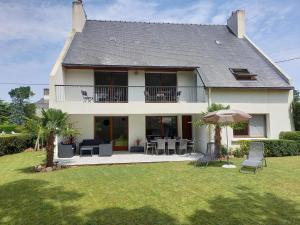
242, 74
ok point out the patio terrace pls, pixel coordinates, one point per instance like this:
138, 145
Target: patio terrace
125, 158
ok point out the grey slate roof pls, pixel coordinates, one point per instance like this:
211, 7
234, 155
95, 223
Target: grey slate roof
42, 104
114, 43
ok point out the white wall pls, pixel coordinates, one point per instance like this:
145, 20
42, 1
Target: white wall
57, 72
84, 78
131, 108
186, 78
200, 134
85, 125
275, 104
136, 78
137, 129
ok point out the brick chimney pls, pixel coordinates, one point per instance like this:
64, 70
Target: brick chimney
237, 23
78, 16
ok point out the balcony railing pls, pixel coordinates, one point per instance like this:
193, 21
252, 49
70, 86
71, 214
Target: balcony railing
110, 94
123, 94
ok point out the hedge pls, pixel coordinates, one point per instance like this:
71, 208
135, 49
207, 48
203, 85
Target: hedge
274, 148
296, 115
290, 135
8, 128
15, 143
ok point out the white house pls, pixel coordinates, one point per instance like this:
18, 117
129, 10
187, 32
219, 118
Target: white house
122, 81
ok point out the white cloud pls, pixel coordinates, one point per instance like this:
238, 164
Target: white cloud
138, 10
219, 19
34, 21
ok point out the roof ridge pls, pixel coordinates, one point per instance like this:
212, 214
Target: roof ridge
148, 22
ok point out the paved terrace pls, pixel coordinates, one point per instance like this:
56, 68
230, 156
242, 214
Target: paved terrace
125, 158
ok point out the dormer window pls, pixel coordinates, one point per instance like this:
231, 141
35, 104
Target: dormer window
242, 74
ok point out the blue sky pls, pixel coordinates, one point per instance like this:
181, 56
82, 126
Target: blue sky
32, 32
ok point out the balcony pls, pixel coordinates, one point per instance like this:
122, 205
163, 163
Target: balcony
125, 94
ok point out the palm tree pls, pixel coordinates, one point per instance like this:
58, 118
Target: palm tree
54, 122
70, 134
217, 137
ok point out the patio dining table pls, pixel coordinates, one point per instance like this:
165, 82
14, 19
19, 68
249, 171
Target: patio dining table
189, 142
166, 140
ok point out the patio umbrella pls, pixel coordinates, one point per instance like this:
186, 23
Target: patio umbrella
225, 117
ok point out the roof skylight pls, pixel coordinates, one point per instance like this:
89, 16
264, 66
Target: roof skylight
242, 74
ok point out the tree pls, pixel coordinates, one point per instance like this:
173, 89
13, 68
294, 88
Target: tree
296, 95
54, 121
296, 110
34, 127
217, 127
4, 111
19, 105
29, 110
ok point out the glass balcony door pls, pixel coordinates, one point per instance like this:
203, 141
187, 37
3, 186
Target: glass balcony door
111, 86
161, 87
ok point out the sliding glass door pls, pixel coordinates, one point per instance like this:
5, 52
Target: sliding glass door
114, 128
111, 86
161, 87
161, 126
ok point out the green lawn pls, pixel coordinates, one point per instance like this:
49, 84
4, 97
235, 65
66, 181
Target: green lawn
158, 193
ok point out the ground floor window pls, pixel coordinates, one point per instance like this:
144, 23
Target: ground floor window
161, 126
256, 127
112, 128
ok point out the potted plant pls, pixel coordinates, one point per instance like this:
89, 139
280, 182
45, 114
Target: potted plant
67, 147
138, 141
137, 147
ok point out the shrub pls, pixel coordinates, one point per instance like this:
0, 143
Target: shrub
275, 147
238, 153
224, 150
15, 143
290, 135
8, 128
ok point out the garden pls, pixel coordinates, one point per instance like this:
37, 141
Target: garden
154, 193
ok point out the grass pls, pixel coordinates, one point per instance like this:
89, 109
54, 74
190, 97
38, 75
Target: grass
159, 193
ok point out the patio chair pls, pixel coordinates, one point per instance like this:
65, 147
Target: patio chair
178, 93
148, 97
149, 147
182, 146
171, 145
191, 146
255, 159
209, 156
161, 146
85, 97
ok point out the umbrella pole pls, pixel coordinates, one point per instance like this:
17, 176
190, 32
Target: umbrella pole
227, 146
